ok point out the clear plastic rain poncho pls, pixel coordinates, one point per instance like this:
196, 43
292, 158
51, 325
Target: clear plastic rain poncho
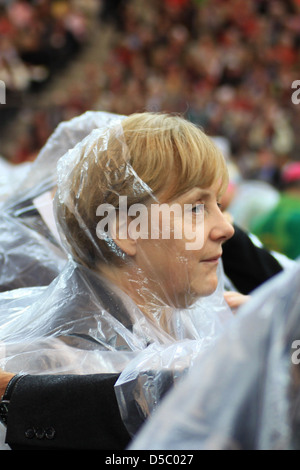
244, 393
91, 318
11, 176
30, 250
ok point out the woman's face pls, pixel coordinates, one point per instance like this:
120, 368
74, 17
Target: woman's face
175, 273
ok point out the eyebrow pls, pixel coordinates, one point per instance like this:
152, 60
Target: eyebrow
194, 195
199, 193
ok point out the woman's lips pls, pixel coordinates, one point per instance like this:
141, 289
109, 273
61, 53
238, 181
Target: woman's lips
213, 259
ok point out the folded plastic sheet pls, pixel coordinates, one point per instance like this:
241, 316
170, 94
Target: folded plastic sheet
27, 257
81, 324
149, 376
11, 176
244, 393
81, 314
31, 253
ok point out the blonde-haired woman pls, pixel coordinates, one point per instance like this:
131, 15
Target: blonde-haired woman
151, 159
137, 207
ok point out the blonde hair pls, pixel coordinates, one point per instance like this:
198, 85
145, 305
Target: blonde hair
154, 154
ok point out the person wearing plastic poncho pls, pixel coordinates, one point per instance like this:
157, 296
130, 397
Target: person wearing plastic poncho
30, 250
123, 290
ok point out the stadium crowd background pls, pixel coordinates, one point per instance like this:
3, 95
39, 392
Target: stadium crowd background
228, 66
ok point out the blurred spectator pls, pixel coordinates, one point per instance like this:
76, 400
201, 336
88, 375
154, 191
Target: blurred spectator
279, 229
250, 199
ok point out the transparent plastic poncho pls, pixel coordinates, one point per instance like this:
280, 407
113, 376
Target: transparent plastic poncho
84, 321
31, 253
244, 393
11, 175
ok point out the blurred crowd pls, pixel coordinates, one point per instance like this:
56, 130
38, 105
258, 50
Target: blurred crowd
227, 66
38, 38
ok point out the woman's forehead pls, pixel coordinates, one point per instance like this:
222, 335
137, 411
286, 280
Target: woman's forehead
200, 193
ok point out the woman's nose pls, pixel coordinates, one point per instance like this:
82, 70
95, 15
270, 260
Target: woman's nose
223, 229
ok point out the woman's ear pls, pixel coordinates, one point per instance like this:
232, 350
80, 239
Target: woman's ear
120, 234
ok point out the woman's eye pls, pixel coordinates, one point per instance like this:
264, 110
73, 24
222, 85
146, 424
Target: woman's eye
197, 208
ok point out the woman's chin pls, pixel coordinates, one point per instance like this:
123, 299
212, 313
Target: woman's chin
208, 287
192, 297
